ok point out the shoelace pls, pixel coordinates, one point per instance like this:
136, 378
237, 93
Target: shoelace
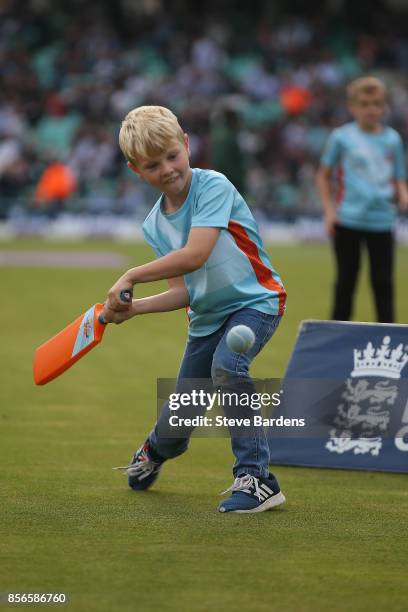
141, 468
244, 483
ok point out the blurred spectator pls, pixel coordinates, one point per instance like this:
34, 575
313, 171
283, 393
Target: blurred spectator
56, 184
70, 73
226, 155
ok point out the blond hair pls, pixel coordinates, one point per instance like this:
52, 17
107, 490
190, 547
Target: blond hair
365, 85
147, 131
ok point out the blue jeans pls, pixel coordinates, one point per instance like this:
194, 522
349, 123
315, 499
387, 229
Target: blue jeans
209, 357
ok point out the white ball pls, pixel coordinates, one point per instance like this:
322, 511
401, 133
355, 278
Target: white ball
240, 339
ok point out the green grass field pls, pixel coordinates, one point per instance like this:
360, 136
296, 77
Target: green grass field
70, 524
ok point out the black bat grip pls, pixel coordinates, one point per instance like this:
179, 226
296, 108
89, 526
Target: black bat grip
126, 295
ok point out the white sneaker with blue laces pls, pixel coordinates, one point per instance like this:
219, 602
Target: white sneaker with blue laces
252, 494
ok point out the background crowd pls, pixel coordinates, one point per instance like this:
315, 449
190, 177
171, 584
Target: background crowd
256, 87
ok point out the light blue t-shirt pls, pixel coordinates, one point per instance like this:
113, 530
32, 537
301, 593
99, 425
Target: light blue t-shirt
367, 165
238, 273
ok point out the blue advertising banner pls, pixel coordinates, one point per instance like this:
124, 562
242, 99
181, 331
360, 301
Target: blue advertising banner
349, 382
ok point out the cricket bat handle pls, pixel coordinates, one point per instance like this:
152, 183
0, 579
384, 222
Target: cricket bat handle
125, 296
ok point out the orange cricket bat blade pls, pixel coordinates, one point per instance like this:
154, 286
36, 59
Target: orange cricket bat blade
61, 352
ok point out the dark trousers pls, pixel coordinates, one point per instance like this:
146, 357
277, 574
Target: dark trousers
347, 248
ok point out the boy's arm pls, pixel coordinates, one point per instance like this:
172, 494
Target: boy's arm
402, 194
193, 255
175, 298
324, 188
400, 184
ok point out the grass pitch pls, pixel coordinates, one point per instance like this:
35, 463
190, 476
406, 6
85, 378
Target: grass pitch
70, 524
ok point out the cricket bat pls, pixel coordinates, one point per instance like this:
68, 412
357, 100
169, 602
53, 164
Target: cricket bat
73, 342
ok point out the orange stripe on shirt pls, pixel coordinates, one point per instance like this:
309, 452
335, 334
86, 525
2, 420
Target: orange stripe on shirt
262, 272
